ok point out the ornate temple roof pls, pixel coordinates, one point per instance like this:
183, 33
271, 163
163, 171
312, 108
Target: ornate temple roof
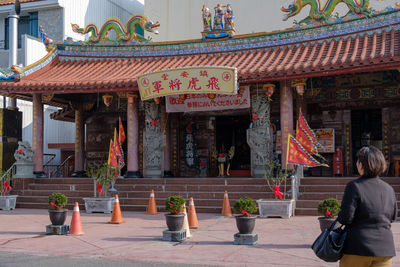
356, 45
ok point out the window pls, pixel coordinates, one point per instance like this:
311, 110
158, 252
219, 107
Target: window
26, 25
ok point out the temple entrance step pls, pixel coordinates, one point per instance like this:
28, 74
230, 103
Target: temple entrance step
208, 193
312, 190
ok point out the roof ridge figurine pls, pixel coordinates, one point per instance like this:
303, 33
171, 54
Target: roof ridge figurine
223, 22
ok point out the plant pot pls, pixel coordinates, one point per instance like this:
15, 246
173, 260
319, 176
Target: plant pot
276, 208
174, 222
245, 224
57, 217
99, 204
325, 223
8, 202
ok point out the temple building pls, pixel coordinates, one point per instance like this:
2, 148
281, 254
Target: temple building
343, 75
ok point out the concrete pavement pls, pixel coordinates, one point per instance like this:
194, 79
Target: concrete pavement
282, 242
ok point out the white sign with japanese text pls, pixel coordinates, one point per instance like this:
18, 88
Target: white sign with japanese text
202, 102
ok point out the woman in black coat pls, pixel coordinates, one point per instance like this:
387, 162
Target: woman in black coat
368, 208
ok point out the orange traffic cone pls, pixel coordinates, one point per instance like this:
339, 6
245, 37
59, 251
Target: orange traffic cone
76, 225
186, 223
226, 207
192, 216
116, 217
152, 208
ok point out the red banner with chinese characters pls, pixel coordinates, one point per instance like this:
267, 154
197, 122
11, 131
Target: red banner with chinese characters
201, 102
189, 80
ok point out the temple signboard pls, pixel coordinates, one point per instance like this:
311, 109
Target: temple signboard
190, 80
326, 137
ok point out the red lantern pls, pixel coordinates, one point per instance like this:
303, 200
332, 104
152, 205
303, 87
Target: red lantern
212, 97
154, 122
107, 99
157, 100
255, 117
300, 85
269, 89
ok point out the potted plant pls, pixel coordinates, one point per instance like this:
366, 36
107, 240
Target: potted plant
245, 221
329, 207
57, 212
103, 178
275, 177
7, 201
175, 205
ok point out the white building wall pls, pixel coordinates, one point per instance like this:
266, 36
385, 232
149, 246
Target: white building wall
181, 19
34, 49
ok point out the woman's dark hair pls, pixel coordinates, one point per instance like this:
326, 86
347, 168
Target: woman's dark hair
372, 161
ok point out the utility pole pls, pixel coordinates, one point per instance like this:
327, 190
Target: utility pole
13, 18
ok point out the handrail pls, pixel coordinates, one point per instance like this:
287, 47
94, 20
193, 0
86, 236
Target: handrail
51, 159
59, 167
7, 175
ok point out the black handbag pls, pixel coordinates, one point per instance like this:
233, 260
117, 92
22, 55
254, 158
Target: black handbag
329, 244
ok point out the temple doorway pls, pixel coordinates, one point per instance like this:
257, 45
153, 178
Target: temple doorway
366, 129
231, 131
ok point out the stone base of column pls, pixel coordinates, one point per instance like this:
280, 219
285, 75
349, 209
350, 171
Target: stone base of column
79, 174
40, 174
133, 174
168, 174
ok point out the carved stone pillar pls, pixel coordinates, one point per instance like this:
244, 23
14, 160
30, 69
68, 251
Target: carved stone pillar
286, 105
152, 140
166, 143
79, 142
259, 136
37, 135
133, 137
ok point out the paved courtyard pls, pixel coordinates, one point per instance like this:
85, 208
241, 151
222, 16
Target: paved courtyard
282, 242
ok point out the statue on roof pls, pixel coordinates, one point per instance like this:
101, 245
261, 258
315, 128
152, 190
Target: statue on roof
206, 19
229, 17
223, 22
125, 35
321, 13
218, 17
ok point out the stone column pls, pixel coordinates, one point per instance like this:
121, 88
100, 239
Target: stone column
259, 136
37, 135
166, 143
286, 112
133, 138
152, 140
79, 142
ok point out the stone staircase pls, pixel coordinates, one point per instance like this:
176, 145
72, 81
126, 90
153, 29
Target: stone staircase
208, 193
314, 189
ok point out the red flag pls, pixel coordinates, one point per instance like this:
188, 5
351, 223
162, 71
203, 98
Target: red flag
302, 123
118, 151
112, 159
305, 140
116, 145
121, 135
296, 154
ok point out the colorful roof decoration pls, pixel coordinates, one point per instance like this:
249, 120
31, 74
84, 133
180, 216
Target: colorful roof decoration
322, 13
126, 35
356, 45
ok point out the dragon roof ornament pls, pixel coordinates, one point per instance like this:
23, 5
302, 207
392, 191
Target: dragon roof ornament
125, 35
322, 13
